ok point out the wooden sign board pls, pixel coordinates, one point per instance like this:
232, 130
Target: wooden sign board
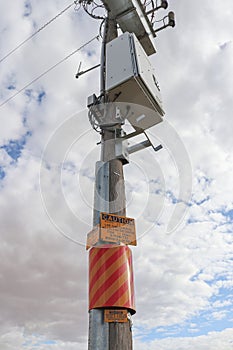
115, 315
113, 229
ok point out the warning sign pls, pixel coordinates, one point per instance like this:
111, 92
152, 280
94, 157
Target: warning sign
113, 229
117, 229
113, 315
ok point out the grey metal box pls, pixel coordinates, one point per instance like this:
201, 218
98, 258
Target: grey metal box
130, 78
131, 18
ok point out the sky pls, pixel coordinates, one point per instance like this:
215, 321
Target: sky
48, 150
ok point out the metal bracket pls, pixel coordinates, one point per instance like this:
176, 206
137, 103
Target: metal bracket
164, 5
171, 22
84, 71
144, 144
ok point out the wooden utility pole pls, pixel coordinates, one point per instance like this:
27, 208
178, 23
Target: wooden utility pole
110, 188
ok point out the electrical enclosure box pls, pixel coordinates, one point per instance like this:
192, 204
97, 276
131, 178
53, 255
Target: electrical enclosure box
130, 78
131, 18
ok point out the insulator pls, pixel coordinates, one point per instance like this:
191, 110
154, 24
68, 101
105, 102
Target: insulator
171, 19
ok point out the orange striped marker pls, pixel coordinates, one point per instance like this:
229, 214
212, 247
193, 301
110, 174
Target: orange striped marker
111, 278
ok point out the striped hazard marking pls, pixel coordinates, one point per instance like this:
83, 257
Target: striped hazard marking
111, 277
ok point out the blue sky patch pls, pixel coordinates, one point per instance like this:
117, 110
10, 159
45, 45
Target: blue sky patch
10, 82
41, 96
216, 317
38, 96
224, 45
28, 93
193, 220
49, 342
11, 87
90, 53
27, 8
39, 343
2, 173
14, 147
202, 201
228, 214
170, 195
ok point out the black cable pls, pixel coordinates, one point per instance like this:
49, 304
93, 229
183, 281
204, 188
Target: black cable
103, 61
37, 31
90, 13
47, 71
153, 8
101, 28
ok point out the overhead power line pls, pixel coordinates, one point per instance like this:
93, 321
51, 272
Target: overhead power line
47, 71
38, 30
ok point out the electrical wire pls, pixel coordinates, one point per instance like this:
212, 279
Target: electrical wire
152, 8
101, 28
98, 4
90, 13
38, 30
147, 3
153, 13
47, 71
160, 20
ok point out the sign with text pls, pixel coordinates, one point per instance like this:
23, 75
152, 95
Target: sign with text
115, 315
112, 229
117, 229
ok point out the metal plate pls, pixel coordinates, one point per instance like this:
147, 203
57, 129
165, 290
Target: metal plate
93, 237
115, 315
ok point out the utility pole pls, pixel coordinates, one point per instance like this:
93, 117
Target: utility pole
111, 284
120, 334
110, 187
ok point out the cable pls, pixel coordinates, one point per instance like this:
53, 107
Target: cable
153, 13
85, 7
47, 71
160, 20
37, 31
100, 28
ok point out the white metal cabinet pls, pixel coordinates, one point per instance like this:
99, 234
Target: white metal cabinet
130, 78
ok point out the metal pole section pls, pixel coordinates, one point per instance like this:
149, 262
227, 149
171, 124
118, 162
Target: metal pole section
109, 197
98, 329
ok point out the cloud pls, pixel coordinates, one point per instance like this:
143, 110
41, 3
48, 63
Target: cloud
184, 280
213, 340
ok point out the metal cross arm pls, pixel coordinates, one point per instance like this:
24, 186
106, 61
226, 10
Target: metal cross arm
171, 22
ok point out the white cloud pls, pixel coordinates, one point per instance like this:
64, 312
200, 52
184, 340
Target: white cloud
211, 341
177, 277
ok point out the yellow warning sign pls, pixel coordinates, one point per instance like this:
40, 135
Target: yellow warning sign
115, 315
117, 229
113, 229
